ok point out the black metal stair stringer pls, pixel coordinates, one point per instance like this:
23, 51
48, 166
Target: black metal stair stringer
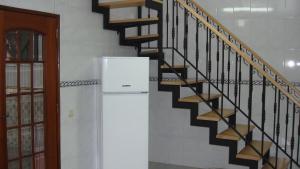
213, 126
121, 29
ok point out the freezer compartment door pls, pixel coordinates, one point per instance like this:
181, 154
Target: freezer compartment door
125, 123
125, 74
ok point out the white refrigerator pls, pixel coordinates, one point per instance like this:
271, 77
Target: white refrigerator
124, 117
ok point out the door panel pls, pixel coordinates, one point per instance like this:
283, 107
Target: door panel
125, 74
29, 116
119, 141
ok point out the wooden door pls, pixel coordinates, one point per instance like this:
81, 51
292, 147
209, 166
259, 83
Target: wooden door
29, 88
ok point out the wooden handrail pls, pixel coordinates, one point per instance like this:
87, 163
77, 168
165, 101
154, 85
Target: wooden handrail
241, 53
245, 46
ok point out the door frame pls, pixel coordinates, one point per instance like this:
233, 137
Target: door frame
55, 76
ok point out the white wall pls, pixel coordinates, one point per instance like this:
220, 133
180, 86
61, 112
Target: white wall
82, 40
273, 34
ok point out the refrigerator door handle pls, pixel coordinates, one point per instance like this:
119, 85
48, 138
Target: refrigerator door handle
126, 85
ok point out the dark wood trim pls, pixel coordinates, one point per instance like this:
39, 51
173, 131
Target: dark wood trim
28, 11
58, 91
3, 158
52, 84
51, 102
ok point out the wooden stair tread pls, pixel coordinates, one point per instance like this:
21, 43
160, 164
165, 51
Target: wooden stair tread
158, 1
134, 20
149, 51
197, 99
122, 4
174, 67
282, 163
142, 37
249, 153
178, 82
213, 116
230, 134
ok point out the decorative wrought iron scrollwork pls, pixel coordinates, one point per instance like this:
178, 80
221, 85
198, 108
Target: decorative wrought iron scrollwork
213, 35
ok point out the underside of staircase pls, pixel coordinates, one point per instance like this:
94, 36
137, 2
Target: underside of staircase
230, 137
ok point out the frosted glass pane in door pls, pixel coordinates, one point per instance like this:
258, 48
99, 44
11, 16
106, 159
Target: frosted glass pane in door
38, 107
11, 78
38, 47
13, 165
27, 163
25, 77
26, 141
25, 40
38, 76
39, 138
12, 144
25, 109
11, 111
11, 45
39, 161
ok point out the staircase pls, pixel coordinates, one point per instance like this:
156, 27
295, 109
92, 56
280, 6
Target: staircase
222, 72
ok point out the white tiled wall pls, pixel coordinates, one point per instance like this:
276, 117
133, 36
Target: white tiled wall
273, 32
82, 39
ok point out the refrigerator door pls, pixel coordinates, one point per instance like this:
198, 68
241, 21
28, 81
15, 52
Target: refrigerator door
125, 74
125, 129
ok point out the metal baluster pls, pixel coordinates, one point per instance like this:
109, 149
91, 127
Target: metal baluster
149, 27
177, 24
278, 128
286, 119
139, 30
298, 149
160, 42
187, 33
275, 111
222, 78
240, 78
218, 57
293, 135
236, 81
263, 119
173, 31
209, 64
206, 72
228, 68
167, 25
197, 48
185, 36
250, 96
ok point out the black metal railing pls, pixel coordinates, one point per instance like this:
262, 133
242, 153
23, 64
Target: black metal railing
211, 50
249, 51
217, 57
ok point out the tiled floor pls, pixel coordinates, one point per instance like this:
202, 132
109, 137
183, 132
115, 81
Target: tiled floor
153, 165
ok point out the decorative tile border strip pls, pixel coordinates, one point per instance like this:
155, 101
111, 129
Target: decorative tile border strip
91, 82
75, 83
231, 81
